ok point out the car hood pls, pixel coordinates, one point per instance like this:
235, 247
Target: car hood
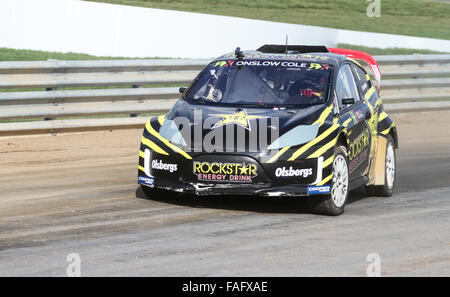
200, 123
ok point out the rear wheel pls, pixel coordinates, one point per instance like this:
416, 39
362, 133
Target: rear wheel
334, 203
387, 189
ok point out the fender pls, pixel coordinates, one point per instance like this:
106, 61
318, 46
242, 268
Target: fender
387, 126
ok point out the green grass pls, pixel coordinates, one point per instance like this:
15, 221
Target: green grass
387, 51
9, 54
405, 17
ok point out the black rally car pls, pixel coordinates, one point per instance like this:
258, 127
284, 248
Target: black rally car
278, 121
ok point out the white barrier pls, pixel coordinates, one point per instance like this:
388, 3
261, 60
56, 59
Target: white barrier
117, 30
420, 86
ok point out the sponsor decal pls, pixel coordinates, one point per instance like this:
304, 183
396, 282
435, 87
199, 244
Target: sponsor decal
225, 172
224, 63
240, 118
364, 86
316, 190
358, 160
291, 172
319, 66
272, 63
314, 57
145, 180
355, 120
159, 165
357, 116
359, 144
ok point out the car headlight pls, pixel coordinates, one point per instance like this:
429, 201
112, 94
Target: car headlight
296, 136
169, 131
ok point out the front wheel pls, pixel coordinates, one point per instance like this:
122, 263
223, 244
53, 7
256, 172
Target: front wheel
334, 203
387, 189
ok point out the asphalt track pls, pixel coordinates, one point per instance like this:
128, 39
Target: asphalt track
77, 193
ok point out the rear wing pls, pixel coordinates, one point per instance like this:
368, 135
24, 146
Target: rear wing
358, 55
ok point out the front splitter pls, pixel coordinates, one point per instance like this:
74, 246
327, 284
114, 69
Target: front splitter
259, 189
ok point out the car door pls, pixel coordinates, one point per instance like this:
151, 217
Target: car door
370, 97
354, 116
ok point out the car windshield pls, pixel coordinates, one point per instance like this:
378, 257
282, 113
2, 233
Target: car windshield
262, 83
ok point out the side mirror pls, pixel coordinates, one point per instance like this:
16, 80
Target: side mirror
347, 101
182, 90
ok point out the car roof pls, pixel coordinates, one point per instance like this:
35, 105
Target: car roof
317, 57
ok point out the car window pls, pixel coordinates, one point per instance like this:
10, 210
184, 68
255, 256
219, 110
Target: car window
346, 86
361, 79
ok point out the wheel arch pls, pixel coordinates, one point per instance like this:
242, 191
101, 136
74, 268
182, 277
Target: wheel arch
393, 133
342, 139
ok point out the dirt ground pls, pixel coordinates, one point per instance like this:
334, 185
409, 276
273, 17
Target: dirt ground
77, 192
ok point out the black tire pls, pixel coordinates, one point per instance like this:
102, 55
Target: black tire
155, 193
385, 190
325, 204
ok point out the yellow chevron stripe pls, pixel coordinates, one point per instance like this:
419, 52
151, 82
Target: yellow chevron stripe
379, 101
277, 155
324, 115
141, 168
141, 154
354, 61
367, 77
345, 124
328, 161
313, 142
387, 130
153, 146
369, 93
325, 180
161, 119
383, 115
323, 149
165, 141
320, 120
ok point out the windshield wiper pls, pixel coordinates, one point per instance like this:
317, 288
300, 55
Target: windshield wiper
260, 105
288, 106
